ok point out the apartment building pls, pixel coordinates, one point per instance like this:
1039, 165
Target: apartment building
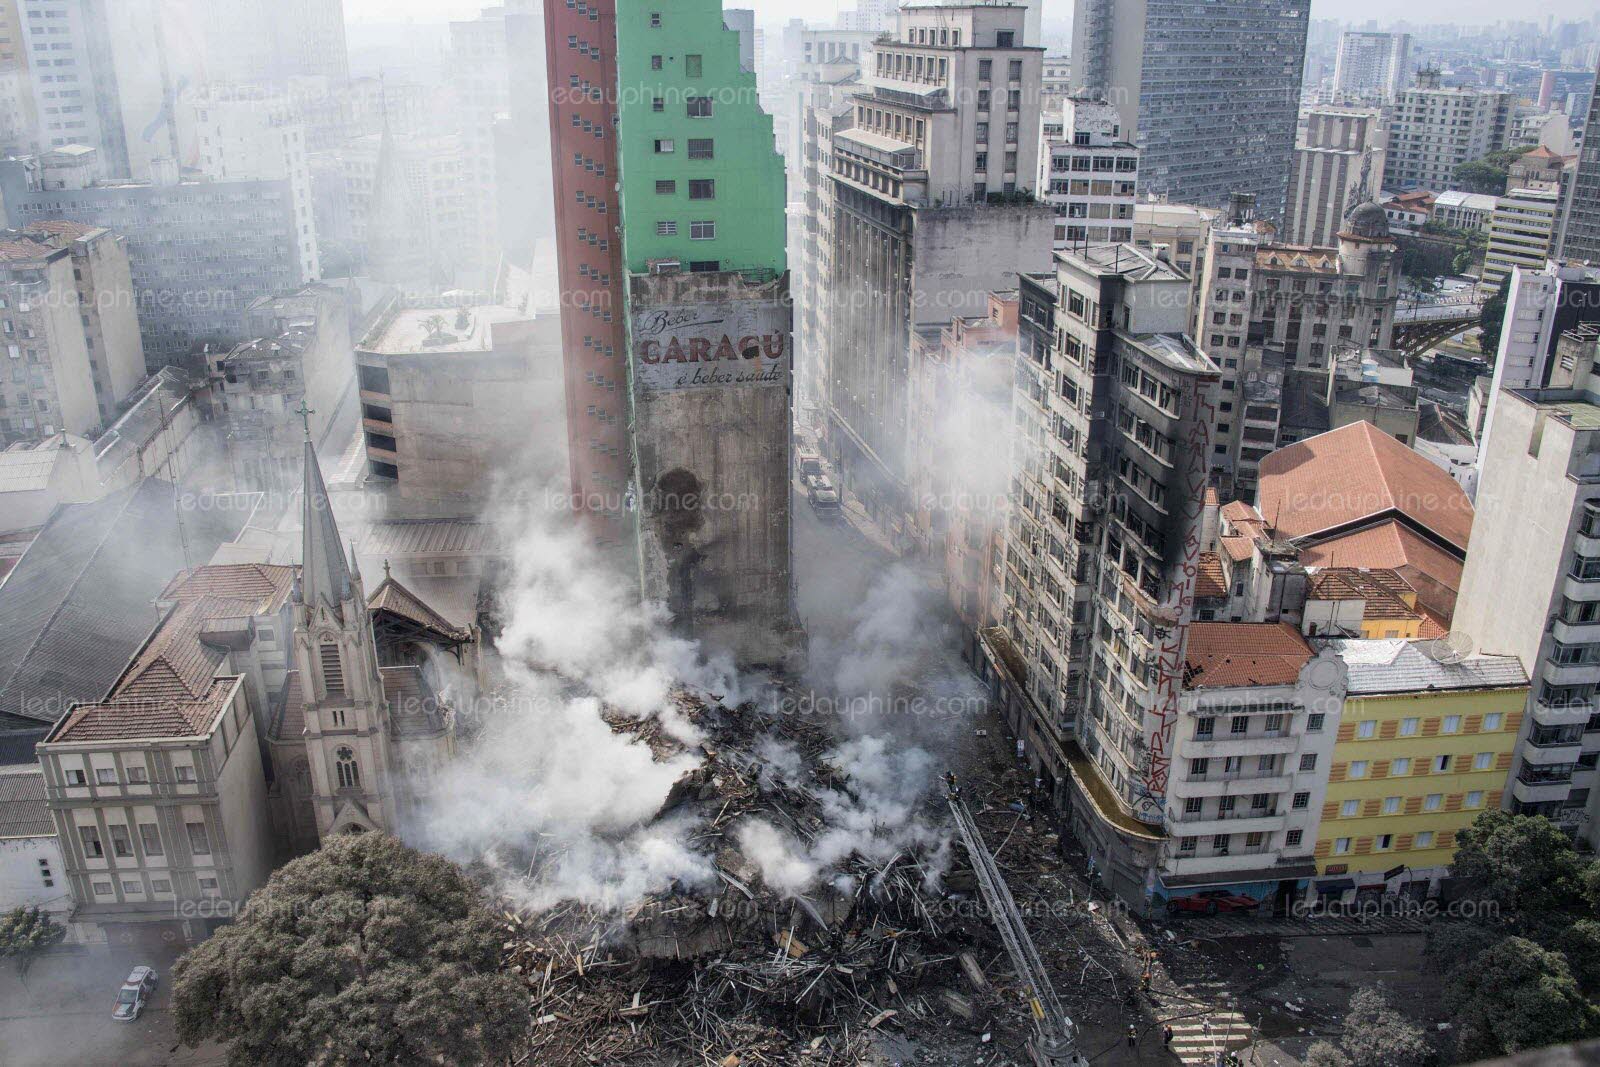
929, 217
481, 73
581, 65
1580, 232
1522, 231
199, 251
961, 378
1087, 173
1182, 228
1434, 129
1425, 742
1205, 129
1268, 311
710, 329
1113, 409
1254, 738
1371, 66
1531, 588
1338, 163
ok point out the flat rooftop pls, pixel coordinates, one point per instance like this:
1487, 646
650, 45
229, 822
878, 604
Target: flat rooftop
1121, 258
413, 331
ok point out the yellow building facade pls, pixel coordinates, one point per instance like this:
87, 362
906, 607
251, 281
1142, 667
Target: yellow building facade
1424, 747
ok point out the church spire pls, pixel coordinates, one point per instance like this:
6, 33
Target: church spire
324, 574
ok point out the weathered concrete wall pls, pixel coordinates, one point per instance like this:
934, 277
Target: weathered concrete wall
711, 371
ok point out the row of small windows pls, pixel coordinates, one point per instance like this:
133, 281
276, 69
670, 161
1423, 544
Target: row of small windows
701, 230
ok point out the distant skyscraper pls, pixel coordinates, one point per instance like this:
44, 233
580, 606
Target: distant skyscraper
1581, 235
1210, 96
1371, 66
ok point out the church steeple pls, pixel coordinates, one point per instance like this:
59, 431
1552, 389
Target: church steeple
324, 574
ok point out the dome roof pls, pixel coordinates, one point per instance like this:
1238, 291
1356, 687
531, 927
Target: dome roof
1367, 220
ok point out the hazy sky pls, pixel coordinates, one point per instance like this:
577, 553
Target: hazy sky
1465, 11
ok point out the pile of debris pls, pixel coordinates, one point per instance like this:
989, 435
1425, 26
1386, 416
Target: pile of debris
741, 973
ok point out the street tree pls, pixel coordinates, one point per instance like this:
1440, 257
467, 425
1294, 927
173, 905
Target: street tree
1376, 1035
363, 951
1517, 996
1523, 864
26, 932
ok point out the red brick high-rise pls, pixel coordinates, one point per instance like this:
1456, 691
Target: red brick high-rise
580, 46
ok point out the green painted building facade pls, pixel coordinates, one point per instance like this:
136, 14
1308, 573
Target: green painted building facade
702, 181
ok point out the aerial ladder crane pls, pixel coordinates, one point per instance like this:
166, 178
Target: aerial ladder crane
1055, 1036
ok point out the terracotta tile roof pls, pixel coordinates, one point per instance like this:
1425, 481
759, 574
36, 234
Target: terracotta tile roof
1389, 544
1210, 498
393, 597
266, 584
1357, 473
23, 809
1209, 581
1238, 548
137, 718
60, 228
1384, 597
1228, 654
1237, 511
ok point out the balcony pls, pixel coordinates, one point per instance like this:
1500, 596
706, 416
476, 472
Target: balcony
1230, 783
1274, 743
1244, 820
1571, 673
1542, 785
1575, 714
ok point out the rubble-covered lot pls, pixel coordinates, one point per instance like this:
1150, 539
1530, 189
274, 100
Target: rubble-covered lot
886, 960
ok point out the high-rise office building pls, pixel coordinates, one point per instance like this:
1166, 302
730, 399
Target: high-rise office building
1209, 95
1088, 173
1371, 66
928, 218
709, 329
1580, 237
1338, 163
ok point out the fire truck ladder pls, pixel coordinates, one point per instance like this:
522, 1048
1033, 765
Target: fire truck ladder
1055, 1038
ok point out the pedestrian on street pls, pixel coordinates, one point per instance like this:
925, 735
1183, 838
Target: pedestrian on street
1166, 1035
1133, 1036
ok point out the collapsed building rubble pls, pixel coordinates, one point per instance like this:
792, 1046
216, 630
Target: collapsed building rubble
742, 972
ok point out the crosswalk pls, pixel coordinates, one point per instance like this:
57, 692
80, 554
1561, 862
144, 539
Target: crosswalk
1197, 1041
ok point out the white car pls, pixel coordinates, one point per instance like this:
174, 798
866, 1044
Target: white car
135, 992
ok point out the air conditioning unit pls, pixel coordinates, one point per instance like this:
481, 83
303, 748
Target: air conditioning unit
664, 266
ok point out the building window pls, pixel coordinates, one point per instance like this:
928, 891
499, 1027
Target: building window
1408, 727
692, 66
1391, 805
1198, 767
1220, 843
1441, 764
75, 776
699, 107
137, 775
1385, 842
655, 20
1349, 809
658, 103
105, 776
1475, 799
1452, 724
1358, 768
702, 148
1483, 761
160, 885
1205, 724
150, 838
666, 228
1292, 838
102, 889
1238, 725
1367, 730
345, 766
1308, 761
1187, 844
666, 188
702, 230
1424, 839
130, 886
208, 884
1341, 846
332, 669
90, 837
199, 841
121, 843
704, 266
1302, 801
184, 771
655, 62
1400, 766
1433, 802
1492, 721
702, 189
664, 146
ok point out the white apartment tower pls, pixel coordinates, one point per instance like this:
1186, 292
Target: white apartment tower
1371, 66
1436, 128
1088, 173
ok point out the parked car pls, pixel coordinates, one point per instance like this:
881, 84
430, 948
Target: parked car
824, 501
139, 987
1213, 901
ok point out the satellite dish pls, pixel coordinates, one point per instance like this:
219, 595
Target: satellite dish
1453, 647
